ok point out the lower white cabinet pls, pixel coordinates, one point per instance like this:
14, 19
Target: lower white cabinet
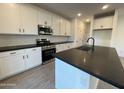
11, 63
32, 57
14, 62
62, 47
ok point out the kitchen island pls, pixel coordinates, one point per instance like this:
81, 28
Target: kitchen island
74, 68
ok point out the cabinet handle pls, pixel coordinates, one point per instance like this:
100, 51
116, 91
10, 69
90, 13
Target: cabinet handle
34, 49
27, 56
65, 33
101, 26
13, 53
23, 30
45, 22
19, 30
23, 57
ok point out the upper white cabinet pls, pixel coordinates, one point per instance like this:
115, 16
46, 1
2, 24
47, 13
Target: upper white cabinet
103, 23
68, 28
62, 27
29, 19
9, 19
56, 24
24, 19
18, 19
65, 27
44, 18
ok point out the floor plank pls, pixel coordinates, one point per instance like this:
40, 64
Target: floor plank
41, 77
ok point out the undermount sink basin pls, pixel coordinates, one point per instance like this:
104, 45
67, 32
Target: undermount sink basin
85, 48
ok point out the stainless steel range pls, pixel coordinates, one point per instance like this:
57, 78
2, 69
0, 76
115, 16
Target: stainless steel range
48, 50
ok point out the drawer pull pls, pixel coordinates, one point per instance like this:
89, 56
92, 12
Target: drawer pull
34, 49
23, 57
19, 30
13, 53
27, 56
23, 30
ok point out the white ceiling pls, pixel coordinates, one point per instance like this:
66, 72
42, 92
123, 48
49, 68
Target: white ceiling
70, 10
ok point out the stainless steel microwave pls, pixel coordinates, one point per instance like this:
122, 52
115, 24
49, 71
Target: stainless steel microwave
44, 30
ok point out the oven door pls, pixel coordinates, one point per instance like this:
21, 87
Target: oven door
47, 54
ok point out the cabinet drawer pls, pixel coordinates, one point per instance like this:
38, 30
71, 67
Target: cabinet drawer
36, 49
9, 53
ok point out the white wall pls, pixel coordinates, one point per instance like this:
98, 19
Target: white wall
120, 35
118, 32
11, 40
102, 37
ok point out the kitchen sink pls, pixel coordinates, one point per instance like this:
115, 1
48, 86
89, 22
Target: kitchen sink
85, 48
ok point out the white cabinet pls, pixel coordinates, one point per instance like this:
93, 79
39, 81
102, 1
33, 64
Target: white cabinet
68, 28
103, 23
79, 34
11, 63
14, 62
32, 57
9, 19
59, 48
29, 19
56, 24
24, 19
18, 19
68, 46
62, 47
44, 18
62, 27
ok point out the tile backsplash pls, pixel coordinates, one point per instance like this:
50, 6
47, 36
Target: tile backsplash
11, 40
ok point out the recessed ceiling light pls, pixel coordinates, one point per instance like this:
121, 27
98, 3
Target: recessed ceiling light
79, 14
105, 7
87, 20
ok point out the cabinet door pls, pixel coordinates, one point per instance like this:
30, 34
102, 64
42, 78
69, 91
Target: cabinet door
29, 17
56, 25
9, 19
44, 18
62, 27
103, 23
60, 47
33, 57
68, 46
11, 63
68, 28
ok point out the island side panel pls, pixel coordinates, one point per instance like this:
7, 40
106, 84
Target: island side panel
70, 77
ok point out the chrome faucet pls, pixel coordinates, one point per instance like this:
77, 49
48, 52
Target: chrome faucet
93, 42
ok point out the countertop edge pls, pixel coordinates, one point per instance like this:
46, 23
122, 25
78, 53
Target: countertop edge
18, 47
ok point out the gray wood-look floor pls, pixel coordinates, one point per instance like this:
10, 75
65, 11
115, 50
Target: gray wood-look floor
41, 77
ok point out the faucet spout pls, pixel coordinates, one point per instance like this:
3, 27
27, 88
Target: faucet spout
93, 42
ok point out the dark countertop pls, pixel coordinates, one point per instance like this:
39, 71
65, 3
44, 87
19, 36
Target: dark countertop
103, 63
10, 48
